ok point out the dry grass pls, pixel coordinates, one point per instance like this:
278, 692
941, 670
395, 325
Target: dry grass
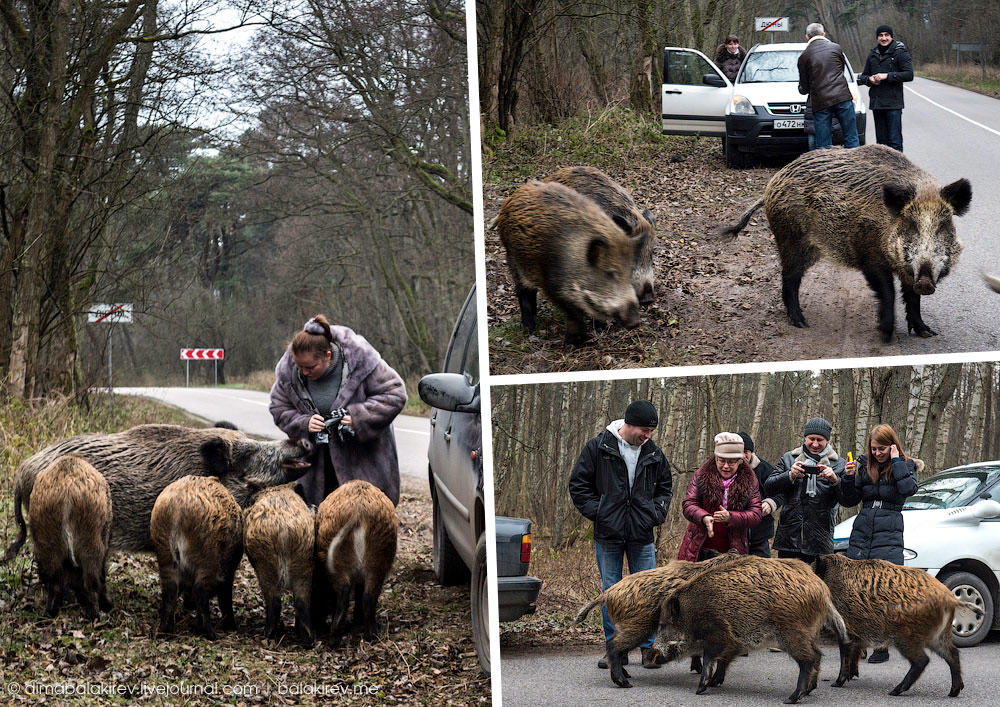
979, 78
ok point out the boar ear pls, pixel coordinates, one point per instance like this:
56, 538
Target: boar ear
595, 250
622, 224
959, 195
673, 610
820, 567
896, 196
649, 216
215, 453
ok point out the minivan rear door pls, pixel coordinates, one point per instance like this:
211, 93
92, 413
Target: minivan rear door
694, 94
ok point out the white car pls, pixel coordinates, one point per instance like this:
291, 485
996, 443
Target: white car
951, 528
760, 114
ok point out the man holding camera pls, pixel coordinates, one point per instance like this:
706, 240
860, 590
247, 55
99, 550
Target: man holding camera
809, 478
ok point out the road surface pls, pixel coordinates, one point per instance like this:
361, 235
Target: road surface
247, 409
543, 677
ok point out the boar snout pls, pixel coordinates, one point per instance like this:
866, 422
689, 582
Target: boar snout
924, 286
646, 296
629, 316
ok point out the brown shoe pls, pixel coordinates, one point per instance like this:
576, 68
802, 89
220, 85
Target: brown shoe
652, 658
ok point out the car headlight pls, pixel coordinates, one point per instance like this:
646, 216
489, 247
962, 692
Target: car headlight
909, 554
742, 106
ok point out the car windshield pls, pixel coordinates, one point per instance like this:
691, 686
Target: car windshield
952, 489
767, 67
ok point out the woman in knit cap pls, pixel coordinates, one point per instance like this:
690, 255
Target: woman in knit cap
809, 477
887, 68
333, 390
722, 502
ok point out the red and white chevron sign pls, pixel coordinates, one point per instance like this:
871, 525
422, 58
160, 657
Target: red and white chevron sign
202, 354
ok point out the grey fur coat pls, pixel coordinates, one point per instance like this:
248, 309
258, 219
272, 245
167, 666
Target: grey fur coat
373, 394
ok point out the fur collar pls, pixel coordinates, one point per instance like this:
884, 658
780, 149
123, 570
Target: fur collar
710, 484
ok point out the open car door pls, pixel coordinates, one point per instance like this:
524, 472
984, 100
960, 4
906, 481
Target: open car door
694, 94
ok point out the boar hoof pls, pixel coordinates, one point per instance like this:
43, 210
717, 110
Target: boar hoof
701, 688
839, 682
621, 680
956, 689
922, 330
896, 691
798, 321
792, 699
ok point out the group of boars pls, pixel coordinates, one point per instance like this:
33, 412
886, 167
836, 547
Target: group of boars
578, 236
199, 499
729, 604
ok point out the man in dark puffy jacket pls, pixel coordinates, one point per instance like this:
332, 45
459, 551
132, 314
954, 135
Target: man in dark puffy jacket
759, 537
888, 67
622, 483
821, 77
810, 478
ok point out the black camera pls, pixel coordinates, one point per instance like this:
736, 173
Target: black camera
811, 467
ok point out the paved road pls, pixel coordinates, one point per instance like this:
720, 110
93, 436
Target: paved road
954, 133
570, 677
247, 409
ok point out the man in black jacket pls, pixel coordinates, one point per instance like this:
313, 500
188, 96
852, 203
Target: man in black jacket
759, 537
887, 68
622, 483
821, 77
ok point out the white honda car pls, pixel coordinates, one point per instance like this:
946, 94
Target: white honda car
759, 114
951, 528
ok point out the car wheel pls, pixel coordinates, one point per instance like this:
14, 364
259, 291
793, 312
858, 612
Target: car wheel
735, 158
448, 566
481, 606
967, 628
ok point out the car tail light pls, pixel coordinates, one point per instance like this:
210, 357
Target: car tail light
525, 548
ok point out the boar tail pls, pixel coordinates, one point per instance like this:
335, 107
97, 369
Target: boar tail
835, 622
492, 223
972, 607
732, 231
582, 614
22, 532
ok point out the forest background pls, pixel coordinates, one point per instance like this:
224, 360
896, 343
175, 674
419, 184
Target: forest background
312, 157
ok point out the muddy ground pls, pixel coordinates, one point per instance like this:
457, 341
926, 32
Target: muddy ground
717, 301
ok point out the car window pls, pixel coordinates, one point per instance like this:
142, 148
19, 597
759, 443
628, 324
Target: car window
464, 332
686, 68
952, 489
767, 67
471, 365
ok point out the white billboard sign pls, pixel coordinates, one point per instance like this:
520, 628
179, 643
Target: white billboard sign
110, 314
770, 24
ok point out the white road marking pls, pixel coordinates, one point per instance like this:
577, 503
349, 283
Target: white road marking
935, 103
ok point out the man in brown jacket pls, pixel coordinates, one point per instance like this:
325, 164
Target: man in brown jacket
821, 77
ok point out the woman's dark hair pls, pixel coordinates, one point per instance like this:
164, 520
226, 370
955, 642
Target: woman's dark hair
732, 38
883, 435
315, 339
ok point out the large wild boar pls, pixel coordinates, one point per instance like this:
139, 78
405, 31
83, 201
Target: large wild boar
561, 242
280, 540
70, 532
356, 530
140, 462
616, 202
739, 606
633, 605
884, 603
871, 209
197, 534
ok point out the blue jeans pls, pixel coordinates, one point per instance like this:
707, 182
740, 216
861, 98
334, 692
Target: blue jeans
889, 128
823, 120
610, 558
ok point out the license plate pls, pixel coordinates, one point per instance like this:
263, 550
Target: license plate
788, 124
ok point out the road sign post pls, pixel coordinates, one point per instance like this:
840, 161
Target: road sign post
110, 314
188, 355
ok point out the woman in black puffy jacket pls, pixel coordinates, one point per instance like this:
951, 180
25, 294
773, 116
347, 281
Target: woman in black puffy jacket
881, 480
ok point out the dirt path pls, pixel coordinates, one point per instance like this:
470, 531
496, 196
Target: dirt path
718, 301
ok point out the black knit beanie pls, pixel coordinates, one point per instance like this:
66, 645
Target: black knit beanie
883, 28
818, 426
747, 441
641, 413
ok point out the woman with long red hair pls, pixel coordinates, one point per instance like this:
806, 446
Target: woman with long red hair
881, 479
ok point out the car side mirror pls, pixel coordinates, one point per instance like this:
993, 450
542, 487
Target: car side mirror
986, 509
713, 80
449, 391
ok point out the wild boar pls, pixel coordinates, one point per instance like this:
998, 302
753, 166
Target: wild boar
356, 529
871, 209
140, 462
70, 530
561, 242
633, 605
279, 537
616, 201
740, 606
884, 603
197, 534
